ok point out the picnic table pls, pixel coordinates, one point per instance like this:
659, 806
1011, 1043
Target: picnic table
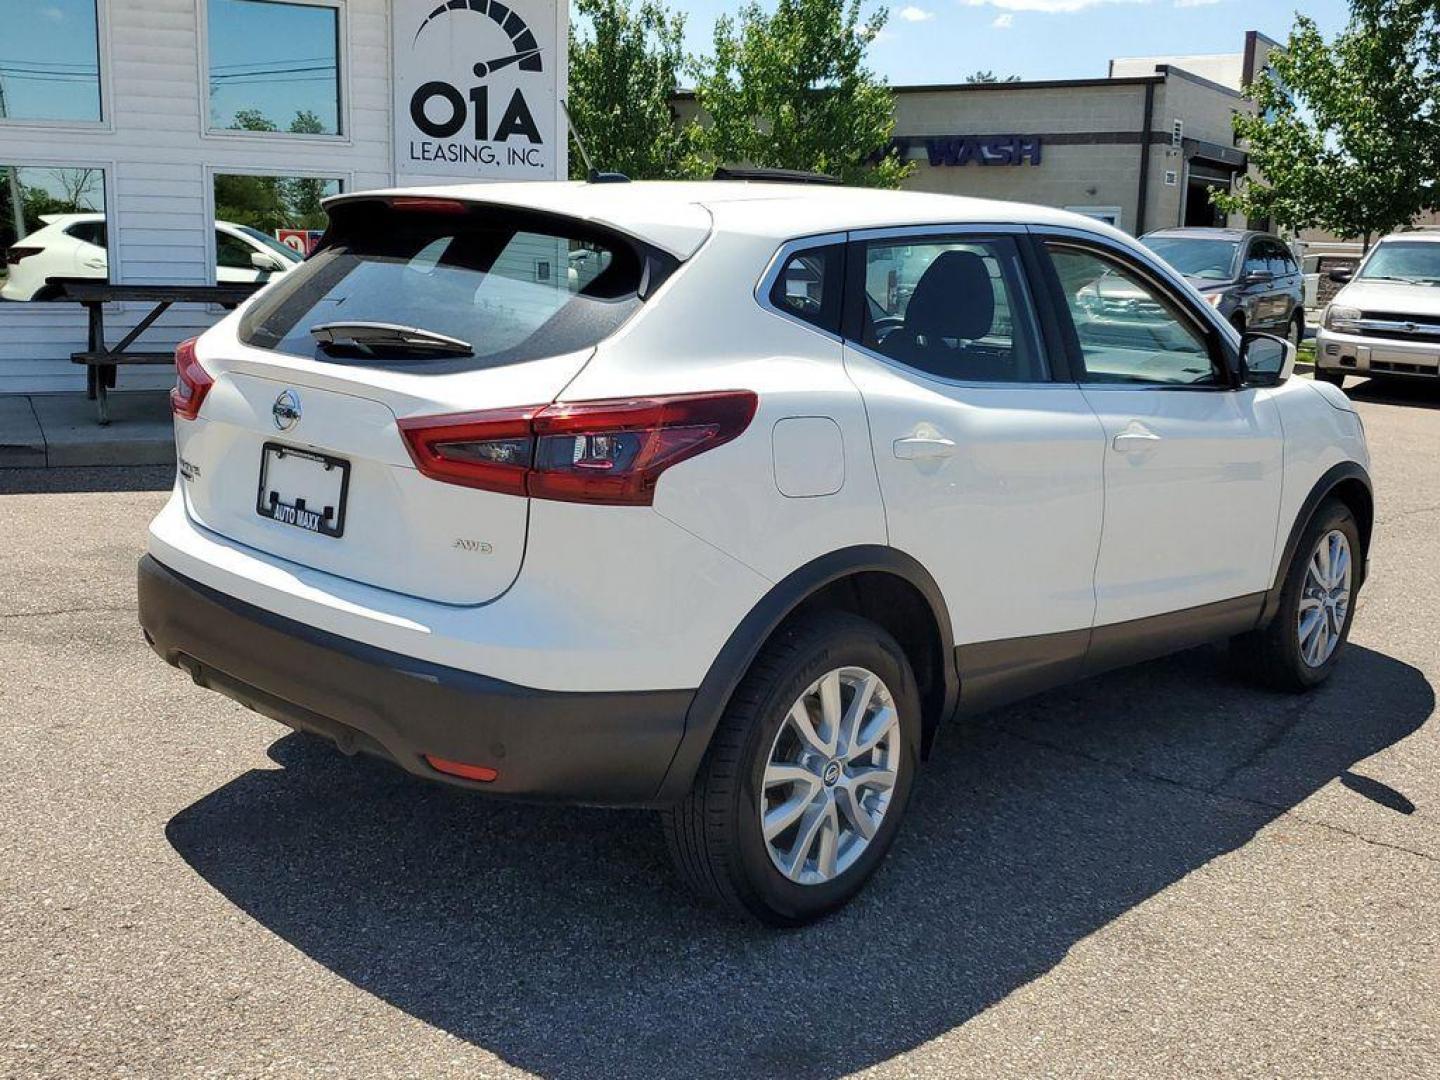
100, 360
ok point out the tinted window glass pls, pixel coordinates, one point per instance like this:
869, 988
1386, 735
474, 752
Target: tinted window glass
49, 60
1255, 261
808, 287
91, 232
232, 252
1129, 331
274, 66
514, 289
1211, 260
957, 309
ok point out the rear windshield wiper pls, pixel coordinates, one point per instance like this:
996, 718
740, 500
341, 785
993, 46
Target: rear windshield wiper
374, 337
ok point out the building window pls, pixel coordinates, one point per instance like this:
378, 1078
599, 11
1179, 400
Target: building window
264, 225
1110, 215
49, 61
274, 66
52, 228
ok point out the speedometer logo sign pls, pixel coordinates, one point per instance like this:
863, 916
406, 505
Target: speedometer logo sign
483, 122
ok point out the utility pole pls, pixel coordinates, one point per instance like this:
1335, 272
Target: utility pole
17, 203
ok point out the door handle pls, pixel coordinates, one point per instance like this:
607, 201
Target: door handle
924, 447
1135, 438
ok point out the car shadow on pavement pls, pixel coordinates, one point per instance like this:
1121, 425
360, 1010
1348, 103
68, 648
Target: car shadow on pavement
557, 938
1419, 393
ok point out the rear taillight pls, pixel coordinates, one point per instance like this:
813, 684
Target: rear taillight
610, 452
15, 254
192, 382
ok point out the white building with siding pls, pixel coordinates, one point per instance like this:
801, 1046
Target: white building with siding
166, 115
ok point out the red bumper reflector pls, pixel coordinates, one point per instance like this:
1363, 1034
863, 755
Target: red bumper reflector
460, 769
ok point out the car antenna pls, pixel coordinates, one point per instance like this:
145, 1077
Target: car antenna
592, 174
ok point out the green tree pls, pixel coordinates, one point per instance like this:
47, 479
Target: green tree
624, 73
301, 195
269, 203
1345, 135
791, 90
988, 76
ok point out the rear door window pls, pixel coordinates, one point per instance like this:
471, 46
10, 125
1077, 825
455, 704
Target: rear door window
513, 286
951, 308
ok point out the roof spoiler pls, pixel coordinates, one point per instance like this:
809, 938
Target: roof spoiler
775, 176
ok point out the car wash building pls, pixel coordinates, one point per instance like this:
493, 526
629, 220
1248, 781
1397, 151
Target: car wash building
192, 141
1142, 148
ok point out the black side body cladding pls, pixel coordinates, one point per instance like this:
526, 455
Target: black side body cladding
1349, 474
994, 673
778, 604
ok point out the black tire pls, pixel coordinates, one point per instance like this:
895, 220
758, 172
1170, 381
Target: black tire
1238, 322
1273, 654
1297, 329
714, 833
1329, 375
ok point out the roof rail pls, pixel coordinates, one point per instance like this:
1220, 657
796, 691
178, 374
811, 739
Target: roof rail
775, 176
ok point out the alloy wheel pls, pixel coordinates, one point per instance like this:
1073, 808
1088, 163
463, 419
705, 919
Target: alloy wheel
830, 775
1324, 598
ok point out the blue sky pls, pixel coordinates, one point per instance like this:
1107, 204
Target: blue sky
48, 59
929, 41
47, 47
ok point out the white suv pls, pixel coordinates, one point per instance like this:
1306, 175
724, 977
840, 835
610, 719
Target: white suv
1385, 322
727, 514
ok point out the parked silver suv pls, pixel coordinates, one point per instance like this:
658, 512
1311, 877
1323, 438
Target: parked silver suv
1386, 320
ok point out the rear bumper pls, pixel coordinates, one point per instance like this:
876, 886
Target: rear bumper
602, 747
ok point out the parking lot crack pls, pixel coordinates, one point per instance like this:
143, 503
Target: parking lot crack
63, 611
1214, 792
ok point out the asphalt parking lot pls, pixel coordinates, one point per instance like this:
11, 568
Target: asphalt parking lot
1162, 872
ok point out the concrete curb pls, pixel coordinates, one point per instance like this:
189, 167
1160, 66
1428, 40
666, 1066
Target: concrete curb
60, 431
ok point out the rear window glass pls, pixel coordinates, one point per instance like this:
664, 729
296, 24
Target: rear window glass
514, 287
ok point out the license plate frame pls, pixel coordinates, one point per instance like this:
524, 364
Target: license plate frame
270, 505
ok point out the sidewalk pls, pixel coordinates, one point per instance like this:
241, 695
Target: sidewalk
59, 431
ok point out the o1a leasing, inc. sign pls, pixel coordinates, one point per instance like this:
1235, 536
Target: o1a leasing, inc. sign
477, 86
951, 150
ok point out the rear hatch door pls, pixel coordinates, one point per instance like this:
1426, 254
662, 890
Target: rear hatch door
297, 452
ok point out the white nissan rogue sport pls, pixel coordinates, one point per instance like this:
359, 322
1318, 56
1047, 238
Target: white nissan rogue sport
720, 497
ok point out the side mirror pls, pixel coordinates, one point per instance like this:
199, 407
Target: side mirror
262, 260
1265, 360
1342, 275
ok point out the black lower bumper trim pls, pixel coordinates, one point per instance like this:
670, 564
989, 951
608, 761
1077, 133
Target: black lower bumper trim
603, 748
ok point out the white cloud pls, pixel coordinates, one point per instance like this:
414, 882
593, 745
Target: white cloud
1196, 3
915, 14
1003, 22
878, 38
54, 14
1048, 6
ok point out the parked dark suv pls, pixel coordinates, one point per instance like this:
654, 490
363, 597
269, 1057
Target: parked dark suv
1249, 277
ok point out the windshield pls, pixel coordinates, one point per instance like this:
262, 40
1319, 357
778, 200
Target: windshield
1195, 256
1415, 261
517, 287
287, 253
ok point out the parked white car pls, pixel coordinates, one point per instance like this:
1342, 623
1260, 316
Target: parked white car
728, 518
1386, 320
73, 246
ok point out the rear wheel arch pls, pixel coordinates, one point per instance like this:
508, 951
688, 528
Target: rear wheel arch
1350, 484
878, 583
